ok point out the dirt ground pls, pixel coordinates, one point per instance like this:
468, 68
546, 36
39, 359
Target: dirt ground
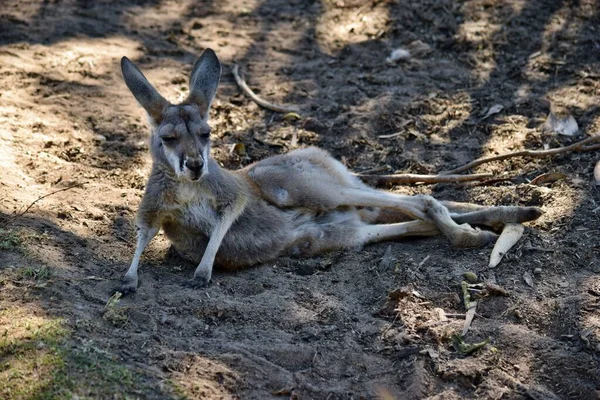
342, 326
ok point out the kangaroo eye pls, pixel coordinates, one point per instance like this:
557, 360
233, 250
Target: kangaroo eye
205, 135
168, 139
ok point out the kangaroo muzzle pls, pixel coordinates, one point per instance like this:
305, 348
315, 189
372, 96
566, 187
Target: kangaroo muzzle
194, 168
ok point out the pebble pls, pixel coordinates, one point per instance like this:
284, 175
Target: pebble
398, 55
470, 276
537, 271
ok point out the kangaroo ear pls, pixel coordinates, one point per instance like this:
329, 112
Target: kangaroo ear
204, 81
144, 92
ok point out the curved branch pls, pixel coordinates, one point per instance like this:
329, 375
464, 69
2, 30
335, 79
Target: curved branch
579, 146
261, 102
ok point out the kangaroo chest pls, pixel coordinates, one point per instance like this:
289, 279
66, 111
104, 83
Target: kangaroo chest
195, 210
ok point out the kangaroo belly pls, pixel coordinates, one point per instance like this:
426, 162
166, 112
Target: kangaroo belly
327, 231
259, 235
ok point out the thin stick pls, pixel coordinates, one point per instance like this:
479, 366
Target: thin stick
46, 195
380, 180
261, 102
579, 146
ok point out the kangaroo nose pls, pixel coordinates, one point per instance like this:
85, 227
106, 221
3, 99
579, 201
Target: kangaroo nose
195, 166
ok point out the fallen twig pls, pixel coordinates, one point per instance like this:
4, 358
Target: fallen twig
261, 102
379, 180
47, 195
579, 146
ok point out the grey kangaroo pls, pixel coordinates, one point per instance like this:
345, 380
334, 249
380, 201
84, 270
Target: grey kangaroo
300, 204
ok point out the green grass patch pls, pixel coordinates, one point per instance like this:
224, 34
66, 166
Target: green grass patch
115, 314
32, 360
40, 360
42, 273
9, 240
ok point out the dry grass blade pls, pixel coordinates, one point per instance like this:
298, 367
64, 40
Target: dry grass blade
380, 180
579, 146
258, 100
470, 306
468, 320
509, 236
550, 177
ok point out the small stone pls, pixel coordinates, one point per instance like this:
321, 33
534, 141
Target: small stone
537, 271
398, 55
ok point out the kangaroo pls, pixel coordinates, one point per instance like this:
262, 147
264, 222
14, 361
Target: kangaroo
301, 203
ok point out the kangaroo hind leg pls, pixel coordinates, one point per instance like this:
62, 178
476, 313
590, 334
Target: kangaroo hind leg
421, 207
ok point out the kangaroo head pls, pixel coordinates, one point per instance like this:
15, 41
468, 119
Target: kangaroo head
180, 142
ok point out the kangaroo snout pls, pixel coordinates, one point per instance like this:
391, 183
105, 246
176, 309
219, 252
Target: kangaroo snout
194, 167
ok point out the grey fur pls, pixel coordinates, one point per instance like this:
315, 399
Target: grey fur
301, 203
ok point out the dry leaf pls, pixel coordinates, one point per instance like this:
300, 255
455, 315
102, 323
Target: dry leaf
494, 290
495, 109
291, 116
468, 320
528, 278
238, 148
597, 173
388, 259
419, 48
466, 348
470, 276
509, 236
566, 126
550, 177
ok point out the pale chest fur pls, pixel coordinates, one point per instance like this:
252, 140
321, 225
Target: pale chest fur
195, 209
